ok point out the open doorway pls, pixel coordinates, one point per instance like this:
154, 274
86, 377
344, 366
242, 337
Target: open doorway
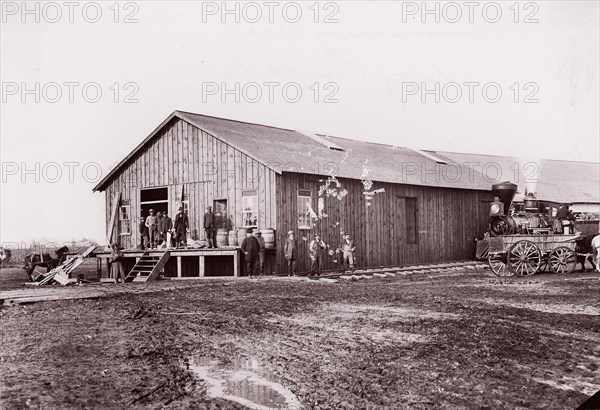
154, 198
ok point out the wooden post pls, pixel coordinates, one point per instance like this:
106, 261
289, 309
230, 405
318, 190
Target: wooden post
113, 218
179, 266
201, 265
236, 265
99, 268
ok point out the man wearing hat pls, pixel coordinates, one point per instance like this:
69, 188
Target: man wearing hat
209, 226
566, 219
144, 238
150, 222
315, 251
158, 238
250, 248
117, 259
181, 227
166, 226
290, 253
261, 251
348, 249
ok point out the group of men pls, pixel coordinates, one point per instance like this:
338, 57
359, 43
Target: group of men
253, 249
158, 229
316, 252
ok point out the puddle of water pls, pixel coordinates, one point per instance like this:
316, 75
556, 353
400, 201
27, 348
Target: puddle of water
239, 381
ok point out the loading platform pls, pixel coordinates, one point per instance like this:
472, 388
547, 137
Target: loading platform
172, 263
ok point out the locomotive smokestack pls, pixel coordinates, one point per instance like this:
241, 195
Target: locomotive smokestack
506, 192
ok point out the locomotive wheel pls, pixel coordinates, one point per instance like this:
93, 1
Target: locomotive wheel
524, 258
562, 260
497, 263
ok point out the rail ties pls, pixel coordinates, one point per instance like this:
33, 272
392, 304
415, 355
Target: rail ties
385, 272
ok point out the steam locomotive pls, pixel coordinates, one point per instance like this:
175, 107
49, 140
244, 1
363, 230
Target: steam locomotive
529, 217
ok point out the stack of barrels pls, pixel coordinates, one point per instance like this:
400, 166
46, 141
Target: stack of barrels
235, 238
239, 236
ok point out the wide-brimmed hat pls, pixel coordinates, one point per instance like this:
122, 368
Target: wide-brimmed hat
257, 232
180, 208
290, 232
248, 230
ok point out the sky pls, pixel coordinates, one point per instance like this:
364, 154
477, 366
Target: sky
82, 85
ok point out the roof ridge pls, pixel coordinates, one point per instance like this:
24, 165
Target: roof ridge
232, 120
509, 156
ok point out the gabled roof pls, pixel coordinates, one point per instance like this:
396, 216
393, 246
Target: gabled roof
285, 150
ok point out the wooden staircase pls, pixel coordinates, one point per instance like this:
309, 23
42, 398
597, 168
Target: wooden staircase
148, 267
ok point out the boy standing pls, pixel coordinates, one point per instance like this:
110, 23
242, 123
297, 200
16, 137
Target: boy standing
348, 249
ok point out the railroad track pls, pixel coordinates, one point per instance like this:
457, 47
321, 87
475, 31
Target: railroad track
383, 272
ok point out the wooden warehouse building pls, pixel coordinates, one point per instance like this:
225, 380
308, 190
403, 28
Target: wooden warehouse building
401, 206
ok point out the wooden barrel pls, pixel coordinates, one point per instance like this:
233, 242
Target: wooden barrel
269, 237
241, 235
233, 238
222, 239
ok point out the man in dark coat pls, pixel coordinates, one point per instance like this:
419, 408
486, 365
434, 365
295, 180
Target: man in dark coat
144, 237
157, 232
261, 251
250, 248
315, 249
181, 227
166, 226
566, 219
117, 259
209, 226
290, 253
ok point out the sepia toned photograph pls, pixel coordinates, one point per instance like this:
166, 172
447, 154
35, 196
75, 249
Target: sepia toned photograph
300, 205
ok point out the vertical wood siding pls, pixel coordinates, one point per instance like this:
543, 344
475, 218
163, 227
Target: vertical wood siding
448, 221
207, 168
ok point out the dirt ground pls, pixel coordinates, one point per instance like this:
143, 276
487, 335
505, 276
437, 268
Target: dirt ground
458, 340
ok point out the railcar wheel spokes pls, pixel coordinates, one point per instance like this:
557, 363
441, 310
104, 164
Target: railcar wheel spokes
562, 260
524, 258
497, 263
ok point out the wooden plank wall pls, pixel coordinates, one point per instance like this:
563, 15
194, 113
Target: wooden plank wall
207, 167
448, 221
